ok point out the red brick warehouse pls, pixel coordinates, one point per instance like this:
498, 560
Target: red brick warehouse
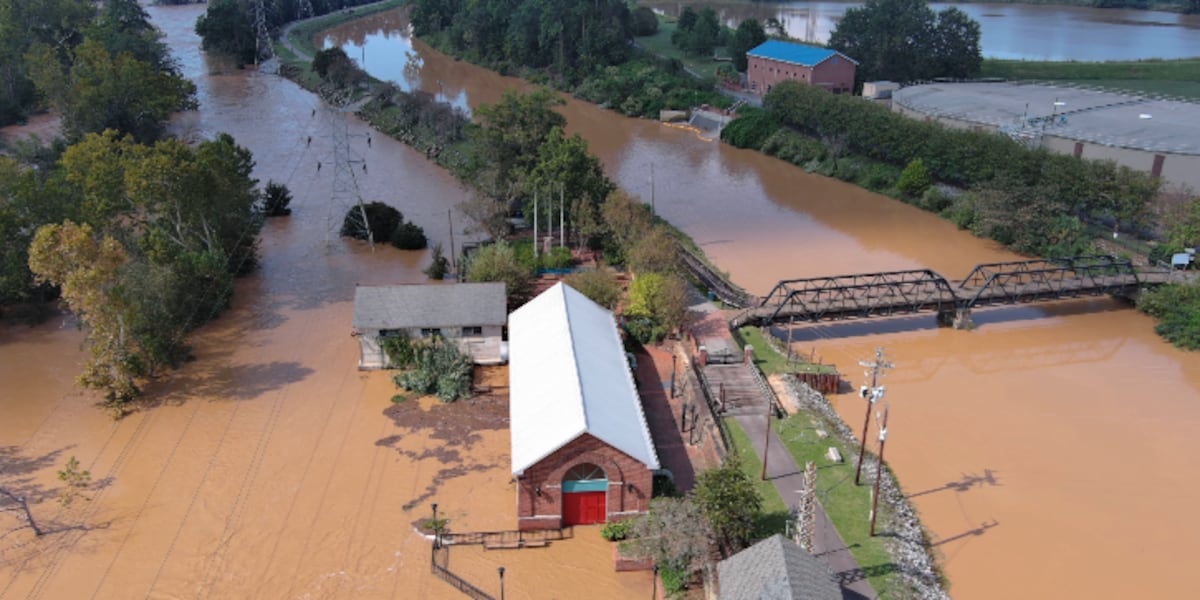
774, 61
581, 448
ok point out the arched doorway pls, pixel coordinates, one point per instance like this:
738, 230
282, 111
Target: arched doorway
585, 495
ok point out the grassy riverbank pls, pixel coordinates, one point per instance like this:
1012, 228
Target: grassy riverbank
1168, 77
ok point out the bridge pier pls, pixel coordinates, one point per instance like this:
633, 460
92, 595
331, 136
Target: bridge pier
958, 318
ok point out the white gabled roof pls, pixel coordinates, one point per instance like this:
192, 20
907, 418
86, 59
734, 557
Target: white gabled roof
568, 375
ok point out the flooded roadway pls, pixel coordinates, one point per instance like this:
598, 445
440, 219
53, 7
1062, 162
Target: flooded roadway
1047, 451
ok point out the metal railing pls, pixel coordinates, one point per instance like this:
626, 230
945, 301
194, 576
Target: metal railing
442, 572
507, 539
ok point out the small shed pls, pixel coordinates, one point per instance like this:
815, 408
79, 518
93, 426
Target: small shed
775, 61
581, 448
776, 569
470, 314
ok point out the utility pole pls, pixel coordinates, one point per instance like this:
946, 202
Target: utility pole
653, 210
872, 394
766, 439
562, 216
878, 470
535, 230
450, 217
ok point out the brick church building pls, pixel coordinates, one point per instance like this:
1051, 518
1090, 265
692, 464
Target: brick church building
581, 449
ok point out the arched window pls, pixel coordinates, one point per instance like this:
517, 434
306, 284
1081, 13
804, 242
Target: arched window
585, 477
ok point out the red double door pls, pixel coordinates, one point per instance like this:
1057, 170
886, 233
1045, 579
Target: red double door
584, 508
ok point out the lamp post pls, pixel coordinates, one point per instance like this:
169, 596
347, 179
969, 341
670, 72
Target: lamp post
654, 589
500, 570
436, 529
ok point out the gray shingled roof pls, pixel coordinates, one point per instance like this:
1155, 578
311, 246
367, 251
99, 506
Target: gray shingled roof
432, 305
776, 569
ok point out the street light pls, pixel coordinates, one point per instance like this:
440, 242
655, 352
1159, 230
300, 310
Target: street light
500, 570
434, 525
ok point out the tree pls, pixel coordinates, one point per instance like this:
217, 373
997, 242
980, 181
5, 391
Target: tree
275, 199
644, 22
956, 48
675, 533
914, 179
904, 40
598, 285
697, 33
85, 266
730, 503
749, 35
409, 236
439, 265
655, 252
565, 169
657, 305
227, 27
381, 220
510, 135
104, 91
75, 480
499, 262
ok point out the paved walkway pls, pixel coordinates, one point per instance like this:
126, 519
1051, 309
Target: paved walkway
662, 412
788, 479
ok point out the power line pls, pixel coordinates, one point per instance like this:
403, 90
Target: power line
345, 193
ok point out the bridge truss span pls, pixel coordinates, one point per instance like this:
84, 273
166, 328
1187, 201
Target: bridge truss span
1047, 279
860, 295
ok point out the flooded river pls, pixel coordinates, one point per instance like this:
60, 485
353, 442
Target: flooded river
1047, 450
1014, 31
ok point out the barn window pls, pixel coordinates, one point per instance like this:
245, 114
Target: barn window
468, 331
431, 332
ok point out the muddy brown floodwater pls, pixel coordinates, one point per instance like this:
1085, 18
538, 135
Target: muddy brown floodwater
1049, 451
267, 467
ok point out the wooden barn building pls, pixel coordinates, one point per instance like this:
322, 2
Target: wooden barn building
774, 61
581, 448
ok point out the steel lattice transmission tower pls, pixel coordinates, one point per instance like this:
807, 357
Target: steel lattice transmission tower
346, 164
806, 512
262, 36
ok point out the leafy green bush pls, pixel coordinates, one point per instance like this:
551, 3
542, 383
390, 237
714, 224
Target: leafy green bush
751, 128
1177, 308
788, 144
877, 177
598, 285
674, 580
409, 236
615, 532
275, 200
438, 368
383, 220
1162, 253
915, 179
557, 258
399, 350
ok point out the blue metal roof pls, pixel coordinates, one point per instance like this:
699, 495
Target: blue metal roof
800, 54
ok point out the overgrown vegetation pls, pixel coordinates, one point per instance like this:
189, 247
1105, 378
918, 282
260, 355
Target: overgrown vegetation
143, 241
905, 40
1153, 76
101, 66
1177, 308
227, 26
430, 366
383, 223
1034, 201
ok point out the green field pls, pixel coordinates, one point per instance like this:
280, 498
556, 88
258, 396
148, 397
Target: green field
660, 44
1170, 77
771, 362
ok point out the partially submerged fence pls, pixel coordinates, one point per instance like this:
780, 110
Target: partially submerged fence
441, 571
510, 539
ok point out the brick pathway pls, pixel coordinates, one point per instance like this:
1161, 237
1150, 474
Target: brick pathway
662, 414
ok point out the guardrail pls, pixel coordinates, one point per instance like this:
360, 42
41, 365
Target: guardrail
441, 572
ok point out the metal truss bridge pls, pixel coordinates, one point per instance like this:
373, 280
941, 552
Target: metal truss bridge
923, 290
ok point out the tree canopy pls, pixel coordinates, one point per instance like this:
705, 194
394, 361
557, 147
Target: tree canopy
697, 33
570, 37
143, 241
749, 35
102, 64
904, 40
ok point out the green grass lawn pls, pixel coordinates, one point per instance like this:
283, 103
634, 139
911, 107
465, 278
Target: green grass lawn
771, 362
775, 512
660, 44
847, 505
1172, 77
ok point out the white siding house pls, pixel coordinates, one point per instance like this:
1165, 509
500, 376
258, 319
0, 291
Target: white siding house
471, 314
